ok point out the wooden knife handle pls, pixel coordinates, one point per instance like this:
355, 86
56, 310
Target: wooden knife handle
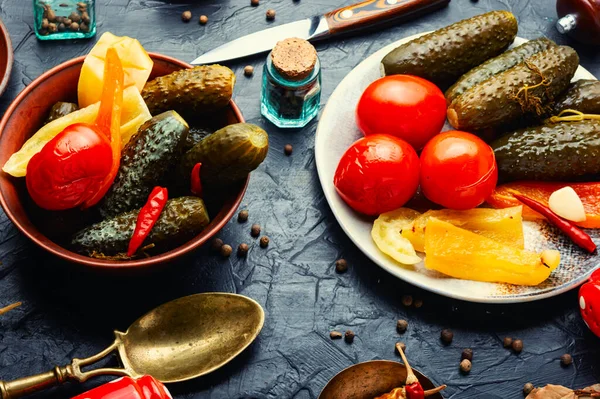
371, 12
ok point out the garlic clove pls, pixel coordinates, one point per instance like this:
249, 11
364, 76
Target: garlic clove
566, 203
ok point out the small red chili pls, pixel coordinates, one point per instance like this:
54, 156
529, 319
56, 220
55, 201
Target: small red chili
147, 218
589, 302
196, 182
577, 235
413, 387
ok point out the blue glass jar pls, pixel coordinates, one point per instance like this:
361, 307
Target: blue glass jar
290, 103
64, 19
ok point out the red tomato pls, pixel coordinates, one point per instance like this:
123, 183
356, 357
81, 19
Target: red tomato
405, 106
458, 170
70, 168
377, 174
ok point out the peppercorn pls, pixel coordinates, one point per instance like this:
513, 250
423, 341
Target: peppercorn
75, 17
186, 16
446, 336
59, 19
248, 70
401, 326
341, 266
264, 241
254, 3
45, 23
407, 300
467, 354
418, 303
465, 366
49, 13
288, 149
566, 360
517, 345
85, 17
84, 27
270, 14
243, 250
61, 27
226, 250
82, 5
401, 345
74, 26
203, 19
67, 21
255, 230
527, 388
349, 336
335, 335
243, 216
52, 27
507, 342
216, 244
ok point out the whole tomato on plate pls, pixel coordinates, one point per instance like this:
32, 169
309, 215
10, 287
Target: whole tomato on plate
458, 170
405, 106
377, 174
589, 302
70, 168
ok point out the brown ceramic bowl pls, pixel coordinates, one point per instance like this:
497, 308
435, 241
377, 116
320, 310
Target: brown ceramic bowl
25, 116
6, 57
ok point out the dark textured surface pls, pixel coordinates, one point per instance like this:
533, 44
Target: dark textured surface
69, 313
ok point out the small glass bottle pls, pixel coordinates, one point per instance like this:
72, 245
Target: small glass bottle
291, 90
64, 19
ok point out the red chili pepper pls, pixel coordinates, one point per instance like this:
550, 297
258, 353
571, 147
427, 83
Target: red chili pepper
576, 235
589, 302
147, 218
196, 181
413, 387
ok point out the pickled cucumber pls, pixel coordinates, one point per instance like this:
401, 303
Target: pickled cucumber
444, 55
144, 161
61, 109
199, 90
521, 90
564, 151
227, 155
496, 65
181, 219
582, 96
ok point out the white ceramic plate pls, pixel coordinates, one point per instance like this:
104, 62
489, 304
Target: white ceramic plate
337, 131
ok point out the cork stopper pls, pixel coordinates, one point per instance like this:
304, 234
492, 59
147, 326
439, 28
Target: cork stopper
294, 58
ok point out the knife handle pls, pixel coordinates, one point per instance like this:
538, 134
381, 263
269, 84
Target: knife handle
371, 12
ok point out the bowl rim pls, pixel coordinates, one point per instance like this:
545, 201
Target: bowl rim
9, 57
64, 253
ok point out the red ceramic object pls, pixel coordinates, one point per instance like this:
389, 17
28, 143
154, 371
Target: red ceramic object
580, 19
6, 57
25, 116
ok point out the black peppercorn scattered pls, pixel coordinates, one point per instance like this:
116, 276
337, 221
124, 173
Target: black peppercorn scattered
447, 336
254, 3
243, 250
243, 216
186, 16
216, 244
566, 360
255, 230
418, 303
203, 19
465, 366
270, 14
401, 326
341, 266
402, 345
407, 300
349, 336
527, 388
467, 354
264, 241
507, 342
226, 250
248, 70
517, 345
288, 149
335, 335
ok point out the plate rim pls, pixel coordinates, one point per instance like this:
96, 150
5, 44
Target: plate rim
492, 299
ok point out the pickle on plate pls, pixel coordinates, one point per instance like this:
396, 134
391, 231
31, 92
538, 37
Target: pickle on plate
498, 64
521, 90
582, 95
61, 109
145, 160
563, 151
444, 55
199, 90
181, 219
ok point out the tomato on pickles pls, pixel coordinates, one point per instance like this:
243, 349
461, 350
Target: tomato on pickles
458, 170
377, 174
405, 106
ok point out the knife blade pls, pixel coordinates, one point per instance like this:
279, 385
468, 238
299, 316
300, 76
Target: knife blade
342, 20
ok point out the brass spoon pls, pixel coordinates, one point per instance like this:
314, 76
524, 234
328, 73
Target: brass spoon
177, 341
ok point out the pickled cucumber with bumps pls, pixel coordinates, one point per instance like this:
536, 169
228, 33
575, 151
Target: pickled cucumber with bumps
444, 55
496, 65
227, 155
181, 219
521, 90
582, 96
199, 90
